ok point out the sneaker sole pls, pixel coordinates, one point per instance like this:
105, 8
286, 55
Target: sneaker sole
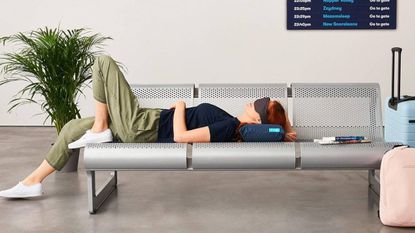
80, 146
21, 196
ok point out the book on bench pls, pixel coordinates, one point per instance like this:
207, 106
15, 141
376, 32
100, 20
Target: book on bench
342, 140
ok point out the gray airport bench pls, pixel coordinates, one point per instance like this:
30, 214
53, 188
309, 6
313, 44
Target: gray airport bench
316, 110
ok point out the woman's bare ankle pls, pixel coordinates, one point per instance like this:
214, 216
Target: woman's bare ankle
97, 128
30, 181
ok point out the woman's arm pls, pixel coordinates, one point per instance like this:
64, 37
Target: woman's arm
180, 132
290, 134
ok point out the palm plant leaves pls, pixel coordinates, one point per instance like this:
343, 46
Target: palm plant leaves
56, 65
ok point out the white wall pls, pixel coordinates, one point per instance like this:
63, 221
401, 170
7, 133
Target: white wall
196, 41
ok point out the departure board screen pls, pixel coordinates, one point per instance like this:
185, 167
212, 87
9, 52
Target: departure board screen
341, 14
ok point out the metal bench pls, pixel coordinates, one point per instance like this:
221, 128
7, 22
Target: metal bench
317, 110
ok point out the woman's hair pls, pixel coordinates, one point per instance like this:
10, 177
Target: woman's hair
275, 115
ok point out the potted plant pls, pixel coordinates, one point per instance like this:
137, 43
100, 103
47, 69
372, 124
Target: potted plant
56, 66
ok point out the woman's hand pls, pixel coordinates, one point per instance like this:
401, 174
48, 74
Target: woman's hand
291, 136
177, 104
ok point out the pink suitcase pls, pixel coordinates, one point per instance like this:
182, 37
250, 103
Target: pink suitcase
397, 187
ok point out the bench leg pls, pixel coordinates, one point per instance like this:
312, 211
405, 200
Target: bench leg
97, 198
374, 186
374, 182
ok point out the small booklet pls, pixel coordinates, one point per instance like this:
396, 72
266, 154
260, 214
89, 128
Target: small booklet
342, 140
321, 142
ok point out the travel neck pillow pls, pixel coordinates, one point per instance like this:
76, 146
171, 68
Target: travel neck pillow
262, 133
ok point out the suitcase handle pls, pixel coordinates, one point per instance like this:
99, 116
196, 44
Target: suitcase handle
393, 102
396, 49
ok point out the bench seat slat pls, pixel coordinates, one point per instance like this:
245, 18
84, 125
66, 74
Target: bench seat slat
133, 156
247, 155
346, 156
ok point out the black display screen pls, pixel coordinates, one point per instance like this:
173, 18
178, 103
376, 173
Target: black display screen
341, 14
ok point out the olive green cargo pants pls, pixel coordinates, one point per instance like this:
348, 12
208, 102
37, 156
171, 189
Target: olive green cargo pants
128, 122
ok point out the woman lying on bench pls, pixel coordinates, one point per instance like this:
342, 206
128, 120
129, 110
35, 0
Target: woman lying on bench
118, 115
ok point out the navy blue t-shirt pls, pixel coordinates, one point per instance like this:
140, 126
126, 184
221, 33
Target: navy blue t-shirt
221, 124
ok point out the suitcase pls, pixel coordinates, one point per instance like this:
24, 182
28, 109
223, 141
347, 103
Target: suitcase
397, 189
399, 110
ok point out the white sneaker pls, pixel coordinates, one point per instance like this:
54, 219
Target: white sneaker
90, 137
23, 191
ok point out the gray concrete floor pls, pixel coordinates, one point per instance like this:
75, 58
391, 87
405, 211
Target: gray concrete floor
156, 201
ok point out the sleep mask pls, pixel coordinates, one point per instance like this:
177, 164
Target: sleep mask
261, 106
